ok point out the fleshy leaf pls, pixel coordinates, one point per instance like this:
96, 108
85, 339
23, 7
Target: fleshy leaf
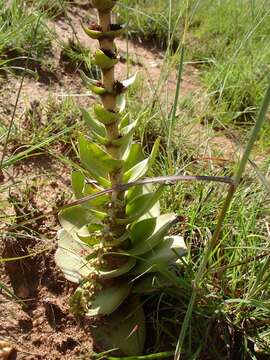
124, 121
77, 182
75, 217
108, 300
93, 124
124, 330
106, 117
121, 103
140, 190
97, 161
143, 245
140, 205
94, 85
101, 140
142, 230
137, 190
130, 128
117, 32
130, 81
96, 132
81, 189
118, 271
99, 202
125, 140
88, 237
140, 169
134, 156
104, 61
167, 252
97, 34
93, 34
137, 171
74, 267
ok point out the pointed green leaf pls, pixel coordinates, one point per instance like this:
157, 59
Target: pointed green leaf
93, 124
126, 138
134, 156
119, 271
75, 217
99, 202
117, 32
77, 183
97, 89
106, 117
74, 267
101, 140
153, 212
142, 230
104, 61
140, 190
162, 226
130, 128
167, 252
108, 300
93, 34
121, 103
140, 205
141, 169
88, 237
124, 122
130, 81
138, 171
97, 161
97, 34
124, 330
94, 85
135, 191
123, 139
82, 189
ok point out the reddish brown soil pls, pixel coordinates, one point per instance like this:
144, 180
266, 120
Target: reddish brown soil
42, 328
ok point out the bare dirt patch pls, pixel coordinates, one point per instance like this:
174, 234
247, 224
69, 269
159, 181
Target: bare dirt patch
42, 327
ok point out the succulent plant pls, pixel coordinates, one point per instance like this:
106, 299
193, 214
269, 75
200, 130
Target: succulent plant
113, 245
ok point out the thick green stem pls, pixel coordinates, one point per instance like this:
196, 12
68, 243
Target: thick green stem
109, 103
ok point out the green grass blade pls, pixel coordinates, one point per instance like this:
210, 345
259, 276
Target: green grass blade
176, 98
253, 136
239, 172
157, 356
10, 294
19, 92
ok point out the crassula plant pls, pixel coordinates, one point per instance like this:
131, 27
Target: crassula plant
114, 244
